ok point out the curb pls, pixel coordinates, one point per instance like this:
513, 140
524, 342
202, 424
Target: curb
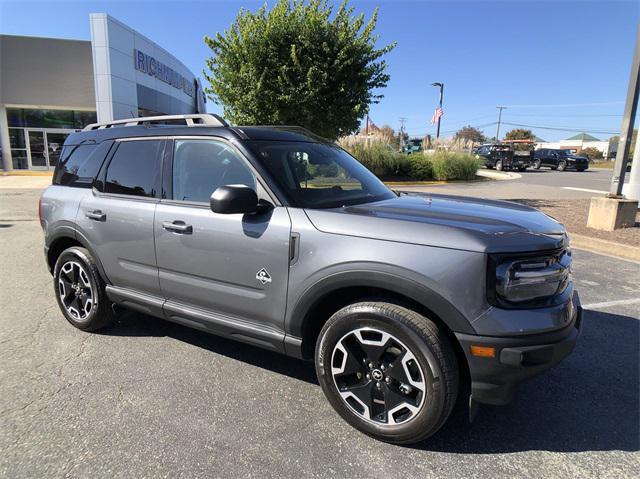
499, 175
609, 248
26, 173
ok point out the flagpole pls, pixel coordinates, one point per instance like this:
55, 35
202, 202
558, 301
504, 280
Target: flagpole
441, 85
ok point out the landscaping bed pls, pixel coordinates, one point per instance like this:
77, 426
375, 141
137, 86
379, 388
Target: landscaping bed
391, 165
573, 214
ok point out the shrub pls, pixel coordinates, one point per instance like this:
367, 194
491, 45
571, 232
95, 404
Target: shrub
454, 166
382, 160
386, 163
420, 168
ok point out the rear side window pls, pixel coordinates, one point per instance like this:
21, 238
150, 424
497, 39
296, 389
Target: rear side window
135, 169
79, 164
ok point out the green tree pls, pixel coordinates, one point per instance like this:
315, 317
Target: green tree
469, 133
298, 64
591, 153
519, 134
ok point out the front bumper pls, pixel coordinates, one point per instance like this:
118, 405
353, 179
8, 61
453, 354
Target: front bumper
494, 379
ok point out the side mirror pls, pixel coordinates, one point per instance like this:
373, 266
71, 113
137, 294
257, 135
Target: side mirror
234, 199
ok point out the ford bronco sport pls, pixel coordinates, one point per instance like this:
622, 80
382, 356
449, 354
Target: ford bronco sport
278, 238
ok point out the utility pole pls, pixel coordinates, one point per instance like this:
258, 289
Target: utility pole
626, 131
441, 86
402, 121
366, 126
500, 108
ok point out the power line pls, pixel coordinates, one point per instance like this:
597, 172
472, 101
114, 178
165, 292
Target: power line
558, 128
564, 105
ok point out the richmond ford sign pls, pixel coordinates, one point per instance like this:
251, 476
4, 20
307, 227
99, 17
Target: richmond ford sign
149, 65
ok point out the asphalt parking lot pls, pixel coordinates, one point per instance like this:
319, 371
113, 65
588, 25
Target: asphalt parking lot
148, 398
532, 184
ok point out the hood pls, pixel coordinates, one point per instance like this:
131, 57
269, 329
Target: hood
455, 222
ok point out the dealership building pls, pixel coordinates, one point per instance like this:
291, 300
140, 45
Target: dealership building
50, 88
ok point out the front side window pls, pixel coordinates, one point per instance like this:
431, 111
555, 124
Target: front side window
319, 175
202, 166
135, 169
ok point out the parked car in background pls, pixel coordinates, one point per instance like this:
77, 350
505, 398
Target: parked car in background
501, 157
559, 160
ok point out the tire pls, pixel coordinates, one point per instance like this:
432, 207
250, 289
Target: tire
562, 166
522, 168
406, 361
537, 164
581, 169
499, 165
80, 291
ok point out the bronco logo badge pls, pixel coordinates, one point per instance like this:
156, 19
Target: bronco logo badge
263, 276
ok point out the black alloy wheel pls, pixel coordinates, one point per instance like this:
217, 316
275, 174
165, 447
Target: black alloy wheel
387, 370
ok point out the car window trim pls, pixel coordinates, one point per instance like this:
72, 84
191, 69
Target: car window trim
107, 162
262, 186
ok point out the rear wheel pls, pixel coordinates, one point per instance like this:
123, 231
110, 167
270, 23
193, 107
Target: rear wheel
537, 164
499, 165
387, 370
80, 290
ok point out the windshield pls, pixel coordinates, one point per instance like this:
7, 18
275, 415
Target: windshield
319, 175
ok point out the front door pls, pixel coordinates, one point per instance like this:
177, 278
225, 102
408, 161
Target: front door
226, 266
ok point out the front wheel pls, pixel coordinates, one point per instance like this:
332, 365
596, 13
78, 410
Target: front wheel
562, 166
387, 370
499, 165
537, 164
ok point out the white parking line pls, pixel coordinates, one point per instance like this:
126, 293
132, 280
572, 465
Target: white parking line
584, 189
607, 304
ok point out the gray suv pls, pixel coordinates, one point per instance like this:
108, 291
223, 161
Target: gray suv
277, 238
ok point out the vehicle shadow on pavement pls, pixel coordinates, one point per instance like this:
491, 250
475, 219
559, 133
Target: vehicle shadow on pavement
136, 324
587, 403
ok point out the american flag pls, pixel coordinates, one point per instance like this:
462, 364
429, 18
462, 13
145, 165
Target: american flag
437, 115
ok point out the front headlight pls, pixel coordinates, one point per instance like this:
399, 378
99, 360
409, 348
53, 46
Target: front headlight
519, 282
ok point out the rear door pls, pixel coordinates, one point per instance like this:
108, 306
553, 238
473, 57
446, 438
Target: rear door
117, 218
219, 270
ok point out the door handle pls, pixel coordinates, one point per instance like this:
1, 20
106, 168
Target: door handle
96, 215
178, 227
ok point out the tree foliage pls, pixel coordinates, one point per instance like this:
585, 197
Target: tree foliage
519, 134
298, 64
471, 134
591, 153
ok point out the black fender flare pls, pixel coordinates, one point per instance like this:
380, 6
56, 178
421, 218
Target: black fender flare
395, 283
67, 231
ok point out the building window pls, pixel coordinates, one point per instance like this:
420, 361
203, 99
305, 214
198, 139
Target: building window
34, 118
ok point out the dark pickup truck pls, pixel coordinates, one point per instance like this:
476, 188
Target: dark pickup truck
501, 157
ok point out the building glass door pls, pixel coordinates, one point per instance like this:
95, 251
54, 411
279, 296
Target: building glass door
43, 147
37, 149
55, 140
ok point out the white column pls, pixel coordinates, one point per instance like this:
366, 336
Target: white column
7, 162
632, 189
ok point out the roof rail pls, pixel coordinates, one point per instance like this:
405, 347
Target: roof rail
199, 119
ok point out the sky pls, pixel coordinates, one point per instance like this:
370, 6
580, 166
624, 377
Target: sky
561, 67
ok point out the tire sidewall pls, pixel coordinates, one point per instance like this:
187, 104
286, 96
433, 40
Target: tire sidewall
428, 419
80, 255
